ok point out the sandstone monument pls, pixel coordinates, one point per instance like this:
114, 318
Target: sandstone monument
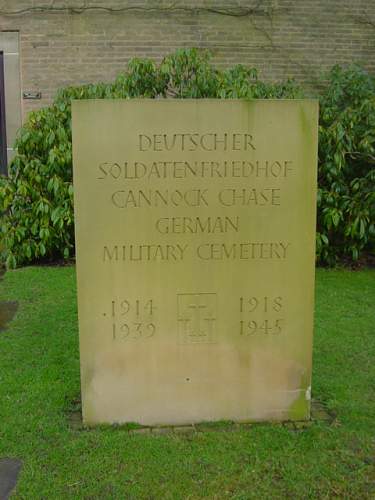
195, 235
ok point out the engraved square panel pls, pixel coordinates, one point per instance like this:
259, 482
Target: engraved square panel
197, 317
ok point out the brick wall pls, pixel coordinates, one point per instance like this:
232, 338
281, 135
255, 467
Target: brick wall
298, 38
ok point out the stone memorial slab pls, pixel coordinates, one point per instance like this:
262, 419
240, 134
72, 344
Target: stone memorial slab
195, 236
9, 471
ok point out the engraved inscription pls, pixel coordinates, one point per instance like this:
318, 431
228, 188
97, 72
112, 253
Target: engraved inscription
132, 320
197, 225
261, 315
159, 198
204, 251
226, 169
197, 316
194, 142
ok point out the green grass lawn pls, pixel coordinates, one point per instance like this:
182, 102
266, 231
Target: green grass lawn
39, 390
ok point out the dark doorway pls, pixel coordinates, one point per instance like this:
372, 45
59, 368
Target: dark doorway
3, 135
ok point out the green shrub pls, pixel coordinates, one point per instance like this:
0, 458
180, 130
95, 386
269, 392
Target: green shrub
346, 194
37, 198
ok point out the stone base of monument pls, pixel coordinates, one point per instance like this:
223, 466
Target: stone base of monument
319, 413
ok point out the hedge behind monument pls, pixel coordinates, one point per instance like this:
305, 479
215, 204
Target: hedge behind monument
37, 198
